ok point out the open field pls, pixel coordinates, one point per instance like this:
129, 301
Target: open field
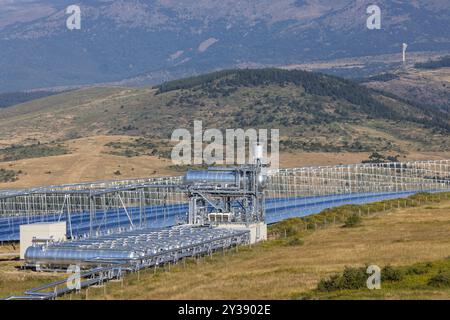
9, 249
12, 279
272, 271
90, 160
87, 161
15, 281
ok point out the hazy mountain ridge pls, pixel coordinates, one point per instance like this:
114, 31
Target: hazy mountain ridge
164, 39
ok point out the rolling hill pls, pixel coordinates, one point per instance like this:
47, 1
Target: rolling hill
13, 98
314, 112
426, 83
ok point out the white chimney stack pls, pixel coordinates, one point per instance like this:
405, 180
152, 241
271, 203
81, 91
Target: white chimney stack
258, 153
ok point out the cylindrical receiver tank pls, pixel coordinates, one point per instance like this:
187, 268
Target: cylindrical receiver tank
211, 177
66, 256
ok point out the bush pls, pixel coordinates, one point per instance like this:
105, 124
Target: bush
417, 270
330, 284
352, 221
288, 227
19, 152
7, 175
391, 274
296, 241
441, 280
138, 147
354, 278
351, 279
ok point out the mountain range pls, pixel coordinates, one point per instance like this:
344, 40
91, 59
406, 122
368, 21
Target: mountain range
148, 42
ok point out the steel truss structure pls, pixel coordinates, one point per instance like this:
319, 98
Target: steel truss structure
128, 225
137, 249
360, 178
92, 209
110, 257
232, 195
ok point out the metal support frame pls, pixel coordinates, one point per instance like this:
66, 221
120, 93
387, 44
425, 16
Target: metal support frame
161, 201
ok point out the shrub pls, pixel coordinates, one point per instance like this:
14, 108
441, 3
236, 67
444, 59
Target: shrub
391, 274
7, 175
352, 221
441, 280
288, 227
354, 278
19, 152
137, 147
296, 241
351, 279
330, 284
417, 270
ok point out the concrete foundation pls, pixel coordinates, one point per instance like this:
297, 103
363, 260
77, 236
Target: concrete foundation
258, 231
45, 231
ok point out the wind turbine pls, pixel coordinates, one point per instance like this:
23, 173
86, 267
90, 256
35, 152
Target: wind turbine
405, 46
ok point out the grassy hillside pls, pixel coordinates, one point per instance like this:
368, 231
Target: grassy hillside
315, 112
443, 62
13, 98
428, 84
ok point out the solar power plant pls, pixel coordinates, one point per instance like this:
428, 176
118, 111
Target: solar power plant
119, 226
91, 209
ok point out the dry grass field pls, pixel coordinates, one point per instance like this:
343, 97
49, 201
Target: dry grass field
268, 271
12, 279
88, 160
